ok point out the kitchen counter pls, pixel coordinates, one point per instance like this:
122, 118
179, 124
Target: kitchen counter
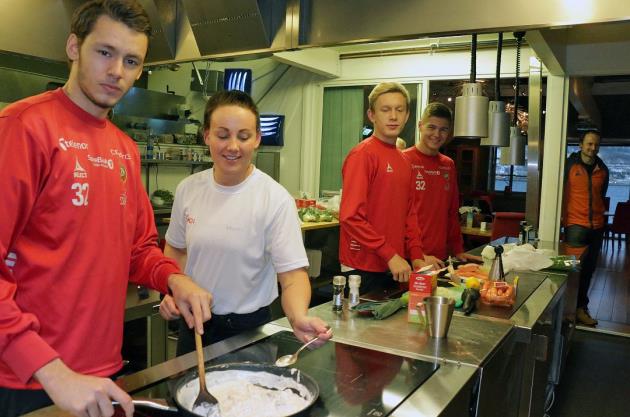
470, 340
447, 392
488, 363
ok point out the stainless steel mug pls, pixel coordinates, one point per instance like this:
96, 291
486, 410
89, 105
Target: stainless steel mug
438, 312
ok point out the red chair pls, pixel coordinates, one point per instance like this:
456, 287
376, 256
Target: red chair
506, 223
621, 221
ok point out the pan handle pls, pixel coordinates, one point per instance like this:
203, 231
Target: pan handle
154, 404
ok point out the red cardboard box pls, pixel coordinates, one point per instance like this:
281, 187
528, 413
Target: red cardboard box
420, 286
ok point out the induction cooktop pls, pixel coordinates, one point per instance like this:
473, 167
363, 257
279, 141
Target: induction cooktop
353, 381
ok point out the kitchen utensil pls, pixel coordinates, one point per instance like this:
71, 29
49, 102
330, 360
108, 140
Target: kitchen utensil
153, 403
288, 360
180, 388
438, 312
204, 399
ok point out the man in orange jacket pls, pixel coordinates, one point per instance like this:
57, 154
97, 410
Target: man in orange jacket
585, 186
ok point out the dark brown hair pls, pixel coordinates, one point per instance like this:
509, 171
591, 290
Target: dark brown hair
590, 131
229, 98
129, 12
436, 109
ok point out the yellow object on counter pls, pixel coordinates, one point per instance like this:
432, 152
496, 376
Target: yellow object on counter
473, 282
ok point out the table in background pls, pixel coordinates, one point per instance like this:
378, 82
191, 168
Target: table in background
476, 231
306, 226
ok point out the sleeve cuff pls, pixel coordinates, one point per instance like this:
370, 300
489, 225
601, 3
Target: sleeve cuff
457, 249
163, 272
416, 253
386, 252
26, 354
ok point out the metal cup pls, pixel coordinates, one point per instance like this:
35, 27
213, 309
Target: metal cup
438, 312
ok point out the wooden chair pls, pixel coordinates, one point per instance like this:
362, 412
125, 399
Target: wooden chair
621, 222
506, 223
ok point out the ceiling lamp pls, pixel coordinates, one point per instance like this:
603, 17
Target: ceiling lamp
498, 118
471, 108
515, 153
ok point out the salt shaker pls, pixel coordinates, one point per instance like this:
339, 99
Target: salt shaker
354, 282
339, 283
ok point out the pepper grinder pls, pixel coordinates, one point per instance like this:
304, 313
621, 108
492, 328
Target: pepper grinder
339, 283
496, 270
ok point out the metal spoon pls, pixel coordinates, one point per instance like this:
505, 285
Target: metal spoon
204, 399
288, 360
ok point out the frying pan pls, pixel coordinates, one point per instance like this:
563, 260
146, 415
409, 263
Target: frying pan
306, 386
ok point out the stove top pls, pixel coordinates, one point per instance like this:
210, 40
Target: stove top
353, 381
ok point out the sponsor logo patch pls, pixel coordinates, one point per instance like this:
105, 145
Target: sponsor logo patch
116, 152
123, 174
65, 144
99, 161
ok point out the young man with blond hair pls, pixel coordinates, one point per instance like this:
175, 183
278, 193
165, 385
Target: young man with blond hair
377, 215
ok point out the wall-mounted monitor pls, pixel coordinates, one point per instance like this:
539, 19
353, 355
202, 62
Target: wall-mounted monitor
238, 79
272, 129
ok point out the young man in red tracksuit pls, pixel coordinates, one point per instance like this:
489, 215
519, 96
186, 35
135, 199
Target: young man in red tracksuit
435, 187
377, 214
585, 186
77, 226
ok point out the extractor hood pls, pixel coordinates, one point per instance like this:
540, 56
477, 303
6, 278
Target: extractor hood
199, 28
232, 26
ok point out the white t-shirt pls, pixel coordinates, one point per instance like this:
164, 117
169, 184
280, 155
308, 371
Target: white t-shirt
237, 238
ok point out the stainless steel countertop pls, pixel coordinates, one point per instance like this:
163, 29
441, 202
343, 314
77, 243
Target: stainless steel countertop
470, 340
470, 343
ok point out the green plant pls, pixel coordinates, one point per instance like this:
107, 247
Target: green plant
165, 195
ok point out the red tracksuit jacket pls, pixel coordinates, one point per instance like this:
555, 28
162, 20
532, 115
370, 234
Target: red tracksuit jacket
377, 216
437, 195
76, 225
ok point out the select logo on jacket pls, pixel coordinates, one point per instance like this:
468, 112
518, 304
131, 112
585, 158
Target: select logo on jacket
79, 171
389, 168
65, 144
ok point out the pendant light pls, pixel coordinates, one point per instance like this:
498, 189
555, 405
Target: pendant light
515, 153
471, 108
498, 118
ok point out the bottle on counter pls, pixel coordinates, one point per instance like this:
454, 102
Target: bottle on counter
339, 283
354, 282
150, 146
523, 234
496, 271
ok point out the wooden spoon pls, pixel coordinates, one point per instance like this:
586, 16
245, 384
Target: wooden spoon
209, 404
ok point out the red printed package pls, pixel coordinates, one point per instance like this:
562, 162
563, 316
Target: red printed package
420, 286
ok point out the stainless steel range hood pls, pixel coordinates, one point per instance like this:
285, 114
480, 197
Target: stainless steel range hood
237, 25
182, 29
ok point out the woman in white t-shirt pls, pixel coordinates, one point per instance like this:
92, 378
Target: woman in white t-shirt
235, 229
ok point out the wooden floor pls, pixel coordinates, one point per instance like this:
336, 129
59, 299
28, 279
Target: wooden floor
610, 289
